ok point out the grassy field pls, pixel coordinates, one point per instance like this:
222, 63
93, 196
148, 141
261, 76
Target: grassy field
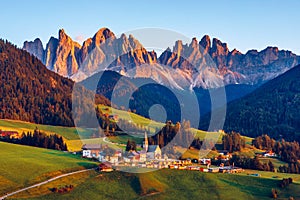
75, 145
124, 138
74, 141
69, 133
134, 118
23, 165
276, 162
74, 180
153, 125
166, 184
272, 175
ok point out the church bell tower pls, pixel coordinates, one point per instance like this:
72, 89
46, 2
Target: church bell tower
145, 145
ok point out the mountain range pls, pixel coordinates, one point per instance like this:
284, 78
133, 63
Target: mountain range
271, 108
206, 64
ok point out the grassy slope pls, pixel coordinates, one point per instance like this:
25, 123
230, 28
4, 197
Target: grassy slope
170, 184
69, 133
23, 165
152, 124
75, 142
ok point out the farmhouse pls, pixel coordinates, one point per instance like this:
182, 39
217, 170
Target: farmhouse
105, 167
205, 161
224, 155
9, 134
213, 170
230, 169
91, 150
134, 156
269, 154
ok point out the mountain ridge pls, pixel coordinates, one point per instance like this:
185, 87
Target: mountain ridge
214, 63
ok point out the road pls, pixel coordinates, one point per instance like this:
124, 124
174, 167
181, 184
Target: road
44, 182
105, 139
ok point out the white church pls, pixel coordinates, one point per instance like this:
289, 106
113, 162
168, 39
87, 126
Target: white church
151, 151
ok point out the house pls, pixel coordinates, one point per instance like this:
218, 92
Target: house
118, 153
205, 161
114, 159
9, 134
269, 154
143, 156
213, 170
91, 150
230, 169
102, 157
105, 167
134, 156
224, 155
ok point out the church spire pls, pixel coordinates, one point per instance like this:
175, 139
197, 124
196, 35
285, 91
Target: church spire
146, 142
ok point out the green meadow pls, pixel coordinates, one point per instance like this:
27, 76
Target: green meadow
23, 166
167, 184
69, 133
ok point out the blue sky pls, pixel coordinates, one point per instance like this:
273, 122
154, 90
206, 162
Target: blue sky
244, 25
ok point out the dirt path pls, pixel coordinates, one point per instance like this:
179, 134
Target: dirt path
44, 182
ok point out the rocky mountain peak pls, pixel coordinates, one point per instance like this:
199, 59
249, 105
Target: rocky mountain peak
36, 48
178, 47
205, 42
62, 35
235, 52
102, 35
194, 42
50, 53
219, 48
134, 43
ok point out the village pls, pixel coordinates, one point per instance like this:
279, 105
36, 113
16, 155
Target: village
151, 157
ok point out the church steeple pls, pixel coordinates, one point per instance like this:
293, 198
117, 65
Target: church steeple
145, 145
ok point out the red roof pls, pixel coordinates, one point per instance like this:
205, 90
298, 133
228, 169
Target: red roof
105, 165
8, 133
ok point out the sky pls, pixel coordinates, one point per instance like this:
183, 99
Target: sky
243, 24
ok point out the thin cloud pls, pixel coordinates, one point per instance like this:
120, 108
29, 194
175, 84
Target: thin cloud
79, 38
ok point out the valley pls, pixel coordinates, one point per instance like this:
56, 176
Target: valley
149, 113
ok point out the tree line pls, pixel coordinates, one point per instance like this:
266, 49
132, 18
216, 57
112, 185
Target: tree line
39, 139
233, 142
173, 134
286, 151
252, 163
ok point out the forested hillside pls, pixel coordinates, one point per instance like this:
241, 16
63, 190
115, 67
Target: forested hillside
30, 92
272, 109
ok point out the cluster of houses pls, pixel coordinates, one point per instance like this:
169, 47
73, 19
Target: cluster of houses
150, 157
148, 153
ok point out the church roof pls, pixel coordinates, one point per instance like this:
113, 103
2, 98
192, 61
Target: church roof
152, 148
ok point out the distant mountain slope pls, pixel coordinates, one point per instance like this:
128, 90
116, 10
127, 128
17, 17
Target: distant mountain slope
215, 64
31, 92
272, 109
115, 86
